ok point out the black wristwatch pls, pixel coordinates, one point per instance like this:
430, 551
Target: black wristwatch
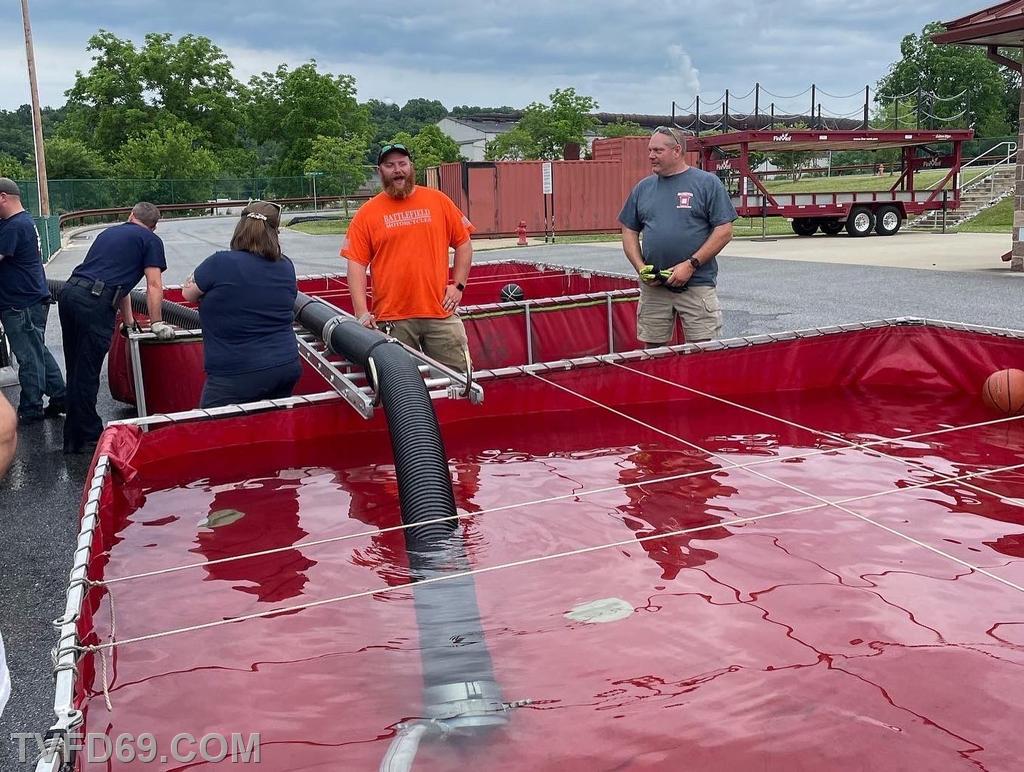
460, 286
695, 263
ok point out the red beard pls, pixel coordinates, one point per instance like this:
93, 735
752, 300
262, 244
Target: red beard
401, 189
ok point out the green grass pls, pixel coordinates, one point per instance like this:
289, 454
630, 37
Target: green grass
995, 219
581, 238
322, 227
855, 182
751, 226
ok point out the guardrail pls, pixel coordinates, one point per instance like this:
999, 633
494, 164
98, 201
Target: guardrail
81, 214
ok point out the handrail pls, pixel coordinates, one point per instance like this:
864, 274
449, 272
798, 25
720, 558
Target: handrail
116, 210
1011, 151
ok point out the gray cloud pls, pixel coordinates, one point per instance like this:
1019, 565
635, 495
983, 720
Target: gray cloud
631, 56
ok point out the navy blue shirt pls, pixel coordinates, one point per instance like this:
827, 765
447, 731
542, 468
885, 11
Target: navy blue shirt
22, 281
121, 254
247, 312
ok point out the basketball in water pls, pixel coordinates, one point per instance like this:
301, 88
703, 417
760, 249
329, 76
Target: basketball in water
511, 293
1004, 391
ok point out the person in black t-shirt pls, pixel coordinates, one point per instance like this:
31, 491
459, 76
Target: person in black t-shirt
24, 307
119, 257
246, 299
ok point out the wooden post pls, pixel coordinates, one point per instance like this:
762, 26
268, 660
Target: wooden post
37, 120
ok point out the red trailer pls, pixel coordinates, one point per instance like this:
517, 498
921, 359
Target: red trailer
861, 213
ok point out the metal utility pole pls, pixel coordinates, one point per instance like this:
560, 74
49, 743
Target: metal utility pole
37, 119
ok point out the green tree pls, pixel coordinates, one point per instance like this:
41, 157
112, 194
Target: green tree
515, 144
623, 129
294, 107
566, 120
959, 85
130, 91
72, 159
11, 167
417, 113
545, 129
16, 130
385, 120
430, 147
794, 163
343, 162
463, 111
170, 153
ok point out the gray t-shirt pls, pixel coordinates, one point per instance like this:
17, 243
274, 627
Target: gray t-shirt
675, 216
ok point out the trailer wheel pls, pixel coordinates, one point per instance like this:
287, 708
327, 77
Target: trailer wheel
888, 221
804, 226
860, 222
831, 227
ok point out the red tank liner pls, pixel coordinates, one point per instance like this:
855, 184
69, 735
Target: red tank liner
743, 641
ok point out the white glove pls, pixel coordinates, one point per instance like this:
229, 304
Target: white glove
162, 330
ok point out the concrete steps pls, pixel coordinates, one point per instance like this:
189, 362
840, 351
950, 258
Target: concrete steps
979, 195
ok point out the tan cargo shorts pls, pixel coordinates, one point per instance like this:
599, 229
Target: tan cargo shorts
697, 308
441, 339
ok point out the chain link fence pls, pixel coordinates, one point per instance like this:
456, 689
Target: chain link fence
74, 195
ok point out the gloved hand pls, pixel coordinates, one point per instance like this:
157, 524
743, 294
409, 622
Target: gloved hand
162, 330
130, 327
367, 320
648, 274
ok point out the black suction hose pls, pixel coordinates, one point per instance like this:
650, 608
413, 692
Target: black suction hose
421, 465
173, 313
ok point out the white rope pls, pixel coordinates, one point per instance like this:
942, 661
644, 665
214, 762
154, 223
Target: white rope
814, 496
829, 435
539, 559
549, 500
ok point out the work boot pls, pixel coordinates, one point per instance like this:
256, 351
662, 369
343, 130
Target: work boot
55, 408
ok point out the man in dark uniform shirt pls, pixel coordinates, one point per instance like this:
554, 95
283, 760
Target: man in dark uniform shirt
24, 307
119, 257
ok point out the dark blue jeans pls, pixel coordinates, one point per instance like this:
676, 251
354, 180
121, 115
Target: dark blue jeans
87, 323
38, 373
272, 383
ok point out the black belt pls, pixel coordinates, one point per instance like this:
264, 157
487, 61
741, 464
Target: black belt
97, 288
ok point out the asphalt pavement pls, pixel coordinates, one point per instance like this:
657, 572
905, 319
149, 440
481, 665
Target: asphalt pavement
764, 286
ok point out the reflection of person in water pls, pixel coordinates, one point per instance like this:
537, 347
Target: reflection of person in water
253, 516
673, 506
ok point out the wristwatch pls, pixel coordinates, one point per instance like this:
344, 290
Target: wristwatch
694, 262
460, 286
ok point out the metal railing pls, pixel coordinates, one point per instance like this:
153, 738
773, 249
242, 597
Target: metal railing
1011, 152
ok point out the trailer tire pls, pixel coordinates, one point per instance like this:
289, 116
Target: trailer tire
860, 222
888, 220
804, 226
831, 227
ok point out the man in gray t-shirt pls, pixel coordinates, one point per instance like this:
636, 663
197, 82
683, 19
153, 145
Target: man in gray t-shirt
685, 216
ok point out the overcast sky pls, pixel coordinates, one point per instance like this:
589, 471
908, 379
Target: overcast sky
632, 57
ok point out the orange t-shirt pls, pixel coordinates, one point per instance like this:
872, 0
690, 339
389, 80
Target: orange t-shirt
405, 242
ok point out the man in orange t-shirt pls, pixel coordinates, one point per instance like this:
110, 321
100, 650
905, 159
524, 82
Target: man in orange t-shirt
403, 235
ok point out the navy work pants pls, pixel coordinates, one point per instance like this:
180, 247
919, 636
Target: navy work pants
87, 323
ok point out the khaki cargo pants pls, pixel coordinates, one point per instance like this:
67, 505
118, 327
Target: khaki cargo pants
441, 339
697, 308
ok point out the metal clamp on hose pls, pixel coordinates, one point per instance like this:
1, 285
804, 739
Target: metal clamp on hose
371, 374
329, 327
466, 704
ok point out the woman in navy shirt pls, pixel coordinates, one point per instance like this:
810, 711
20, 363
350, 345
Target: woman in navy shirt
246, 298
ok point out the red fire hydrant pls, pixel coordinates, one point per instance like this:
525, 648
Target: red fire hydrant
521, 233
